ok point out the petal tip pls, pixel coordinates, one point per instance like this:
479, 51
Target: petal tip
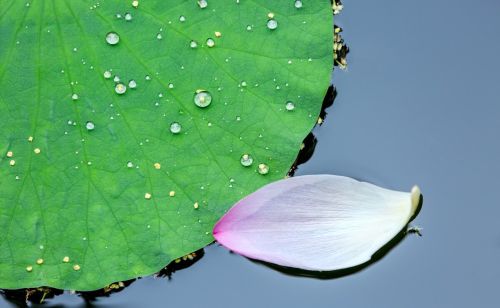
416, 194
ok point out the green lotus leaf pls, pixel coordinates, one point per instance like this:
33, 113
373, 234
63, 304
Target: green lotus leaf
128, 128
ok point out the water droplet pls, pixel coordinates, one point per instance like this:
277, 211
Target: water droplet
202, 98
107, 74
130, 164
132, 84
289, 106
249, 28
170, 85
218, 34
202, 3
298, 4
135, 3
246, 160
118, 15
74, 96
210, 42
159, 36
128, 16
147, 77
120, 88
116, 79
112, 38
193, 44
263, 169
90, 125
182, 18
175, 128
272, 24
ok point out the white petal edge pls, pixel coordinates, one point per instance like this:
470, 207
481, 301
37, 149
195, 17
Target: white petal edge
316, 222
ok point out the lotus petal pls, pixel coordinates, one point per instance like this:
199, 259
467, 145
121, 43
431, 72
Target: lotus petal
316, 222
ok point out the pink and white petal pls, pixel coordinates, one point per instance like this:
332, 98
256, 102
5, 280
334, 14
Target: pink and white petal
316, 222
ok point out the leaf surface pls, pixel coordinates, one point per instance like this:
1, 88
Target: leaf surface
98, 177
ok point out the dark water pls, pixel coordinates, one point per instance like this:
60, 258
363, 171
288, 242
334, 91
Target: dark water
420, 103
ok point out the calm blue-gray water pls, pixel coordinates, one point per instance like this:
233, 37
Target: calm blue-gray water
419, 104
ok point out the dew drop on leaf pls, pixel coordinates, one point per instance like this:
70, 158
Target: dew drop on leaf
193, 44
246, 160
130, 164
202, 98
112, 38
132, 84
289, 106
272, 24
202, 3
263, 169
120, 88
128, 16
90, 125
210, 42
175, 128
107, 74
298, 4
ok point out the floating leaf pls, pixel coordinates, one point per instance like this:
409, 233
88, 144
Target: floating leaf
109, 154
316, 222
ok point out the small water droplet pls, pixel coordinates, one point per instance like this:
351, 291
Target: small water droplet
193, 44
246, 160
298, 4
147, 77
202, 3
182, 18
272, 24
132, 84
112, 38
130, 164
116, 79
210, 42
202, 98
135, 3
243, 83
170, 85
175, 128
289, 106
74, 96
120, 88
263, 169
249, 28
90, 125
128, 16
159, 36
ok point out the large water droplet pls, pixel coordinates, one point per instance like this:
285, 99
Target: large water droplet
120, 88
202, 98
272, 24
289, 106
246, 160
263, 169
90, 126
175, 128
112, 38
